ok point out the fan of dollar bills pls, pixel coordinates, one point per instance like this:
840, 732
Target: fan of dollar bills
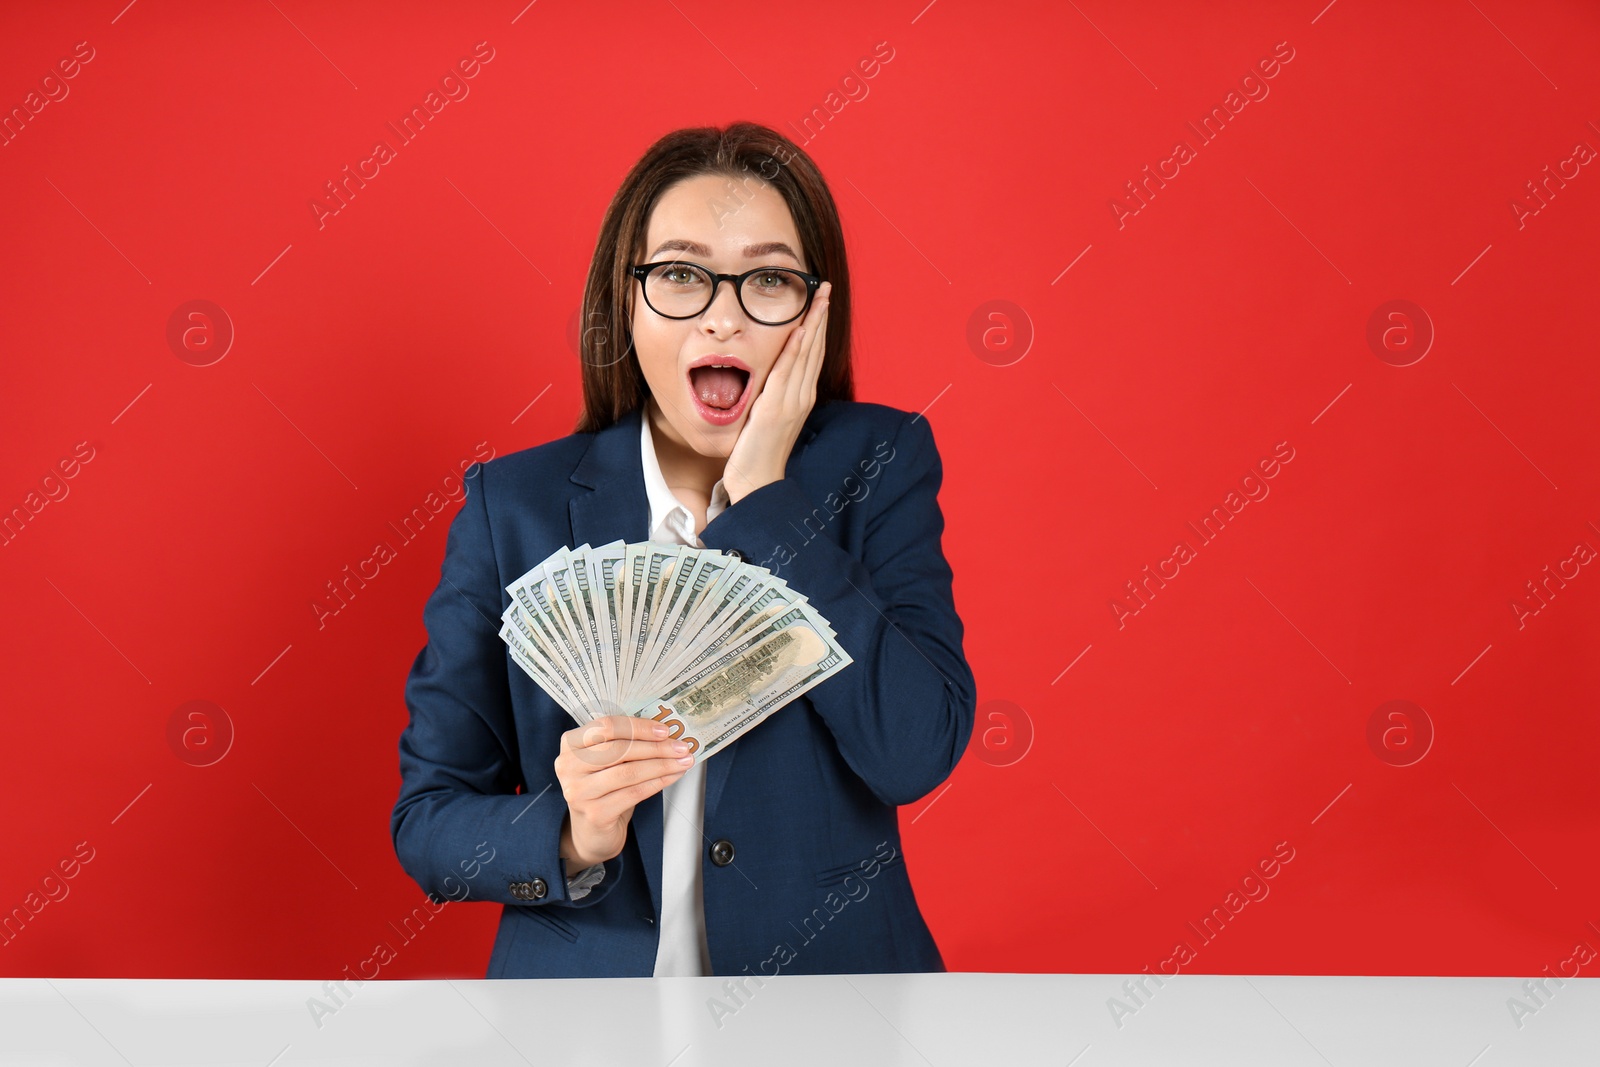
693, 637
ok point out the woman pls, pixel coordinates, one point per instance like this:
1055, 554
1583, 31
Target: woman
725, 419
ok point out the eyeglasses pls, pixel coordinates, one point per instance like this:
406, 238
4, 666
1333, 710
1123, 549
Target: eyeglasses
769, 295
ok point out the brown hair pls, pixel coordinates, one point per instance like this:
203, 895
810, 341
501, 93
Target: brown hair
614, 385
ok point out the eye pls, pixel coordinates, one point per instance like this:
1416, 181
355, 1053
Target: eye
679, 274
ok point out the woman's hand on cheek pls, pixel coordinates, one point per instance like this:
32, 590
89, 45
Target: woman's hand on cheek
761, 453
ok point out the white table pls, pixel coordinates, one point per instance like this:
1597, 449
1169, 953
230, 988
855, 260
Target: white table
918, 1019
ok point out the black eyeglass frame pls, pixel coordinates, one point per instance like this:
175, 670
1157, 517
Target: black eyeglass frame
642, 271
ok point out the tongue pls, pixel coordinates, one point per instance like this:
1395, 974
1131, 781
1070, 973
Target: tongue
717, 387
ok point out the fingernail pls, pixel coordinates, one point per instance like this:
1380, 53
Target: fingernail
686, 760
679, 747
659, 730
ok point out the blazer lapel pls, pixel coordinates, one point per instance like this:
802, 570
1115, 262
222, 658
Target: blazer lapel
615, 509
612, 469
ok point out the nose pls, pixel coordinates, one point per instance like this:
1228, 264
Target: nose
724, 311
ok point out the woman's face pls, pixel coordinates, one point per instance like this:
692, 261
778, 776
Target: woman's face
701, 221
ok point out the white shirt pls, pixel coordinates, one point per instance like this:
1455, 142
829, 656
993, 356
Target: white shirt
682, 949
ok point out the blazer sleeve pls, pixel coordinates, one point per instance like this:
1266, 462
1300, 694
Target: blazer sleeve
460, 831
903, 711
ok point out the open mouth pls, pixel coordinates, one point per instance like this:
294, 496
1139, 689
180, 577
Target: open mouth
719, 393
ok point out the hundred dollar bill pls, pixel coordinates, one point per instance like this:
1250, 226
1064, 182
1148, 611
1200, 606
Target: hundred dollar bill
558, 638
696, 583
732, 692
547, 676
567, 580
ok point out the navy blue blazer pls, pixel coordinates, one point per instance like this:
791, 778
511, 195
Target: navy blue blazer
806, 801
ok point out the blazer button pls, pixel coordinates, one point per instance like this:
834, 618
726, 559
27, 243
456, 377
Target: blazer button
539, 888
519, 890
722, 852
736, 554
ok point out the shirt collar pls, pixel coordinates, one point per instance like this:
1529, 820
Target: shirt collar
669, 519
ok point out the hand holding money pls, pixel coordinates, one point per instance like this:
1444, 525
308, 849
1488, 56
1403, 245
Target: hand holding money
605, 769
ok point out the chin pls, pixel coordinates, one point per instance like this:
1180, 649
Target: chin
708, 441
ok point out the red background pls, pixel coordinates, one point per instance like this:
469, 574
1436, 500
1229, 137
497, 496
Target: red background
1117, 801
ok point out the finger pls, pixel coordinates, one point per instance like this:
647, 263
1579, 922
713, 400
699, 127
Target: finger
616, 805
610, 728
806, 337
610, 753
602, 783
810, 361
817, 333
819, 349
610, 739
790, 354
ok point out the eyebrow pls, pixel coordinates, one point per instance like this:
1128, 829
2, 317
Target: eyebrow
768, 248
